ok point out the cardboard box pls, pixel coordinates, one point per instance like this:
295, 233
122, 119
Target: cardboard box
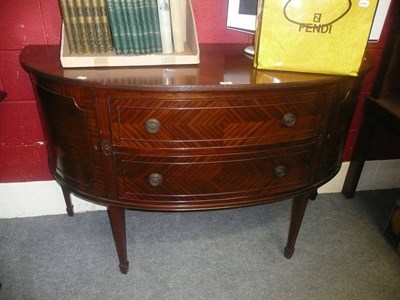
140, 75
317, 36
191, 54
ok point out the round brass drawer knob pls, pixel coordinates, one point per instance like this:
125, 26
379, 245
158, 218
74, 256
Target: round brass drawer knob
155, 179
289, 119
153, 125
280, 171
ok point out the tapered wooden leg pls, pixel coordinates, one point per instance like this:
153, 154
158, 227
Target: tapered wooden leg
117, 221
299, 205
67, 198
314, 195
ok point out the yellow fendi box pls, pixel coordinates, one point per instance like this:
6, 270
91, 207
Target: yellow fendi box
317, 36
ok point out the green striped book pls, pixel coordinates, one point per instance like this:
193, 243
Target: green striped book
155, 25
114, 26
101, 26
69, 13
83, 28
133, 24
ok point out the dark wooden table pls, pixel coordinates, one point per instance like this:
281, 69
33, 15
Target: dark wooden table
216, 135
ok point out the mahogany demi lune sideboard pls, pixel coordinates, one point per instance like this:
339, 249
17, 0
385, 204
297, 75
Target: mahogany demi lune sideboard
216, 135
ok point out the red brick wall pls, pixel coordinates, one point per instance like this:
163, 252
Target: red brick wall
23, 22
22, 152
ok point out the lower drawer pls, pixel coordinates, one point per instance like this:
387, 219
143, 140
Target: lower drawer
181, 179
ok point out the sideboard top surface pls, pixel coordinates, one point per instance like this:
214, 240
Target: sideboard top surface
222, 66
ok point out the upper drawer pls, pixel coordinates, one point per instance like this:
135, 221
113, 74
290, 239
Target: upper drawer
177, 123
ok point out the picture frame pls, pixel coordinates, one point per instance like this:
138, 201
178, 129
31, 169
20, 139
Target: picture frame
242, 15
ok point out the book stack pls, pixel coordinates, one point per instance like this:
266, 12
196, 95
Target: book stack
124, 27
86, 25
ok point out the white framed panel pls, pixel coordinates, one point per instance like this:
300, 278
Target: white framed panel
379, 20
239, 21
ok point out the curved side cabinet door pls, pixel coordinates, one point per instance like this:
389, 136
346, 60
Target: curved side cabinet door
68, 142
